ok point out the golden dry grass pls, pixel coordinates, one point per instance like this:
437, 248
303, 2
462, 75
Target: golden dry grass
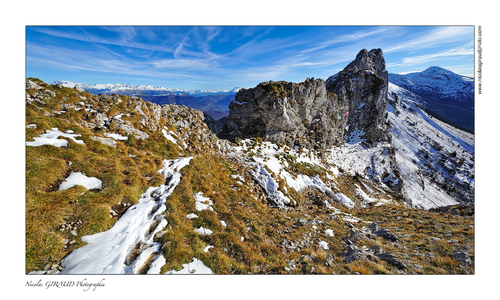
242, 206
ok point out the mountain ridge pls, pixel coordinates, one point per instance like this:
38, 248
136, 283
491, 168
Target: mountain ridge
446, 94
132, 89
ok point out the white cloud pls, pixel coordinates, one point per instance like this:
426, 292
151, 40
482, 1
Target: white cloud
413, 60
434, 37
125, 39
356, 36
183, 64
82, 60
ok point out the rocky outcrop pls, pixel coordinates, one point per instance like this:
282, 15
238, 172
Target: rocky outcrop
303, 114
363, 85
349, 106
457, 210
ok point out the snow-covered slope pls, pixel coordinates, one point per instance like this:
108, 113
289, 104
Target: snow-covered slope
444, 94
131, 89
436, 160
437, 82
428, 162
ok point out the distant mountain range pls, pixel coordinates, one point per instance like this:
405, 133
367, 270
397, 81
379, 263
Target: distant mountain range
131, 89
444, 94
213, 102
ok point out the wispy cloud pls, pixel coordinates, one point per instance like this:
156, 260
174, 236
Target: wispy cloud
82, 60
121, 40
433, 37
262, 45
352, 37
413, 60
185, 64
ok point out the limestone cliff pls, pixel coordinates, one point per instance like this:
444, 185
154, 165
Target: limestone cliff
315, 114
302, 114
363, 84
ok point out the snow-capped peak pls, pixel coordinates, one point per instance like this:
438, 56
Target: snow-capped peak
131, 89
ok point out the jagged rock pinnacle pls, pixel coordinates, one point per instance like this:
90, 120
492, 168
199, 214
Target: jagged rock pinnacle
316, 114
363, 84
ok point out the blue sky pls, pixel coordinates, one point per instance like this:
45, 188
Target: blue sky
224, 57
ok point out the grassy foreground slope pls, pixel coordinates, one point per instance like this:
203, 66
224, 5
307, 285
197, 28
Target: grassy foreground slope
248, 235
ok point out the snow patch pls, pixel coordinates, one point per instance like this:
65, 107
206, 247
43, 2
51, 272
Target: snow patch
116, 136
270, 186
203, 231
168, 136
79, 178
323, 245
191, 216
194, 267
202, 202
50, 137
111, 251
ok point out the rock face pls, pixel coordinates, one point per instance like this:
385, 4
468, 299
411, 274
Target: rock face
363, 84
315, 114
303, 114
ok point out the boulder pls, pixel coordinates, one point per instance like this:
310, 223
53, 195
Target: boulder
386, 234
357, 254
373, 227
129, 129
392, 259
462, 257
32, 85
105, 141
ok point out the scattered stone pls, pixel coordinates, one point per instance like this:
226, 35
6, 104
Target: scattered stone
375, 250
392, 259
306, 258
357, 254
32, 85
386, 234
462, 257
356, 235
302, 221
330, 260
373, 227
105, 141
466, 249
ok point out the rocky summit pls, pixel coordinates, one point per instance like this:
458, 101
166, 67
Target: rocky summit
349, 106
363, 85
317, 177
